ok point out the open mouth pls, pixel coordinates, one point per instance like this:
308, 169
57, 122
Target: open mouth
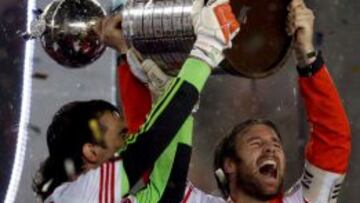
268, 168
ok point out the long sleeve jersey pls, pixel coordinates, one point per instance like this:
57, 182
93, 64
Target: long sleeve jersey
161, 143
327, 151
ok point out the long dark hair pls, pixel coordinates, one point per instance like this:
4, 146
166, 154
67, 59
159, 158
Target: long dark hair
66, 135
227, 149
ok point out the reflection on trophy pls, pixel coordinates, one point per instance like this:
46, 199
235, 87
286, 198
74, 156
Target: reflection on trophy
162, 30
65, 30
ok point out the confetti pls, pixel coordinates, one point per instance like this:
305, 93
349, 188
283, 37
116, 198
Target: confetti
95, 129
34, 128
40, 76
46, 186
69, 167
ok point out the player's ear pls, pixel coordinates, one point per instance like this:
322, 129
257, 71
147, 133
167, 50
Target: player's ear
90, 152
229, 166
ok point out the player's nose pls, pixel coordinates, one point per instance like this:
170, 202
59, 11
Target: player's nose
269, 148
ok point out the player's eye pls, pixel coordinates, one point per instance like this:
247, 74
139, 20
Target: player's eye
277, 145
255, 143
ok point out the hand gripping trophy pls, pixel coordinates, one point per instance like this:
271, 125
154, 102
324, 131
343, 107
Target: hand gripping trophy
162, 30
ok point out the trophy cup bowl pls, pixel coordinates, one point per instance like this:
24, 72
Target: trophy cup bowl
68, 36
162, 30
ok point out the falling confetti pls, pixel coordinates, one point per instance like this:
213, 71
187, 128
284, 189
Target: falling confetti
69, 168
40, 76
34, 128
95, 129
47, 185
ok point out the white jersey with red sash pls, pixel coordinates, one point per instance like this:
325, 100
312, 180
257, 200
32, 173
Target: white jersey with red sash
161, 145
101, 185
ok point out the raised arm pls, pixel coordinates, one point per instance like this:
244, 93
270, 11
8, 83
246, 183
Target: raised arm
165, 120
174, 107
328, 149
329, 144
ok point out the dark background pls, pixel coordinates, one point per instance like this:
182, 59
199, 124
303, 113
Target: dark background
226, 100
11, 69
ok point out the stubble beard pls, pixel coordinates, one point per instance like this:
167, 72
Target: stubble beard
252, 187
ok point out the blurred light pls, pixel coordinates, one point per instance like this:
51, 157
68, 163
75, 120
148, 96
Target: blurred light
25, 113
78, 25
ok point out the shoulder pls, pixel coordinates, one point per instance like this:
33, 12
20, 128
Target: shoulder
195, 195
83, 189
89, 186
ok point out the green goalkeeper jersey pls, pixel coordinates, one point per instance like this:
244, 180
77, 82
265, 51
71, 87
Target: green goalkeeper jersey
162, 145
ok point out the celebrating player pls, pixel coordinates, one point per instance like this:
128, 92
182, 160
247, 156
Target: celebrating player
83, 136
250, 162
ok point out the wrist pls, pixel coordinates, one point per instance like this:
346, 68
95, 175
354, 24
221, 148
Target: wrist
199, 54
208, 50
312, 68
305, 54
305, 58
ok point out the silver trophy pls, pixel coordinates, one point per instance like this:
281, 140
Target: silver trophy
66, 34
162, 30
